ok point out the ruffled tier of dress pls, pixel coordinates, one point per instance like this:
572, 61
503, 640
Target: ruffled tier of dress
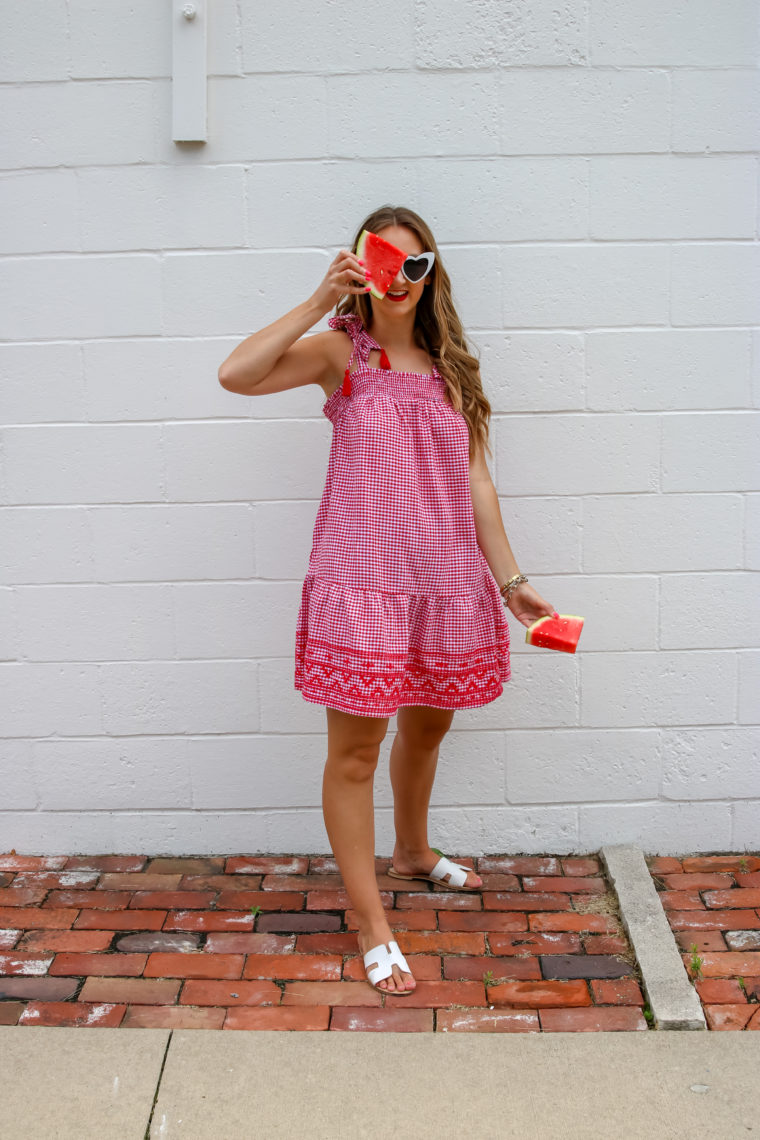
359, 648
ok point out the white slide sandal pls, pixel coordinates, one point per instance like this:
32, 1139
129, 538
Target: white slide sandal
444, 866
383, 967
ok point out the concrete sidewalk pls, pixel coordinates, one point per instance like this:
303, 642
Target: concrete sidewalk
100, 1084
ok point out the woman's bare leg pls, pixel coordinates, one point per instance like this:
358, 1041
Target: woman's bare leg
353, 748
414, 757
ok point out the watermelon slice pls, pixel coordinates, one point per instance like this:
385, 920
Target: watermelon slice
555, 632
382, 259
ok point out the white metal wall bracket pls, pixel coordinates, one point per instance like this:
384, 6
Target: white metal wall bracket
189, 70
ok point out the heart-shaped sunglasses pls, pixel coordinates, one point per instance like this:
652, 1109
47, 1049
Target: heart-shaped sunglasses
417, 267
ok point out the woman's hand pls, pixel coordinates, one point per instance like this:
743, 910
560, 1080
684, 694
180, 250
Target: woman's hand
527, 604
345, 275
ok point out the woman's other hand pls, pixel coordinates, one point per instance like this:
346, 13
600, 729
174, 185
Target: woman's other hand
528, 606
345, 275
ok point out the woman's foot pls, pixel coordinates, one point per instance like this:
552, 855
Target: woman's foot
399, 980
422, 863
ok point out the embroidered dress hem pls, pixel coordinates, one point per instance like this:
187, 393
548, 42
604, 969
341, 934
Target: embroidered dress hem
369, 652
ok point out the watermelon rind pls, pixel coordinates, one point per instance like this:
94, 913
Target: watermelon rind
367, 246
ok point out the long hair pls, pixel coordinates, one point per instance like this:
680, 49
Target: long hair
437, 327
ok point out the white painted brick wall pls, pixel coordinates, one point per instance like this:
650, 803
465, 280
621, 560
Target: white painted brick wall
591, 173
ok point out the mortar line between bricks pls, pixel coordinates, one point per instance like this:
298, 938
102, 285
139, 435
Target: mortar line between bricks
158, 1086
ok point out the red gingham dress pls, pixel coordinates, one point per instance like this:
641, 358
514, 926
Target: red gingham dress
398, 606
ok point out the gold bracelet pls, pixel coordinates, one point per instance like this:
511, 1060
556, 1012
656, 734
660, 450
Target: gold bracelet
511, 585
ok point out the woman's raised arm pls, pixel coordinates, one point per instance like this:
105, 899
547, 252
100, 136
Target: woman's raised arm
276, 358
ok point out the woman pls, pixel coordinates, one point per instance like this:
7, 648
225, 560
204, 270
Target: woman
402, 604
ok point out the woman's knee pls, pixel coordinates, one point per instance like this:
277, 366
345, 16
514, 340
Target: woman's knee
354, 743
423, 728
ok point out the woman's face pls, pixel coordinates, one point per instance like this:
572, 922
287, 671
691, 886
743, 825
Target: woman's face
403, 295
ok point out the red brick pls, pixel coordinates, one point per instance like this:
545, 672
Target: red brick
616, 991
520, 864
96, 900
194, 965
604, 943
131, 991
316, 967
73, 1013
483, 921
722, 863
720, 991
586, 885
332, 993
525, 900
279, 1017
186, 865
591, 923
424, 967
209, 920
711, 940
339, 900
52, 989
404, 919
581, 865
78, 941
388, 1020
250, 943
267, 865
540, 995
457, 969
496, 882
432, 942
226, 883
664, 865
681, 900
754, 1021
158, 942
736, 897
57, 880
265, 900
730, 964
106, 863
487, 1021
728, 1016
20, 963
439, 900
21, 896
327, 865
230, 993
341, 943
434, 994
99, 965
120, 920
172, 900
302, 883
714, 920
138, 881
6, 879
597, 1019
291, 922
173, 1017
35, 918
752, 879
702, 882
10, 1012
529, 942
32, 862
9, 938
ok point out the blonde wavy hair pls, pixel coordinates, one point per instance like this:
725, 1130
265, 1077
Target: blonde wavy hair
438, 329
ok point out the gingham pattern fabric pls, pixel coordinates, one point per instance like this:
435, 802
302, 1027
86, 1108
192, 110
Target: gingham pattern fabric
399, 606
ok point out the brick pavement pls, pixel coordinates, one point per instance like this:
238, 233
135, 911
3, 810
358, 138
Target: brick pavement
249, 942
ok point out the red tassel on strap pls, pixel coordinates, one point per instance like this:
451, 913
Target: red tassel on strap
347, 381
384, 361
